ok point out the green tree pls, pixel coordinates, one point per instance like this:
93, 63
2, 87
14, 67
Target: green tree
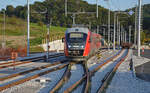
10, 10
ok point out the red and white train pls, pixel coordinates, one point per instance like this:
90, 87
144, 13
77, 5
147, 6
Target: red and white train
80, 43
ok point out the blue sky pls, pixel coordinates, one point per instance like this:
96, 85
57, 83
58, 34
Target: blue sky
113, 4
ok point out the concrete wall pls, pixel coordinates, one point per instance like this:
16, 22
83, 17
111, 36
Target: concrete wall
55, 45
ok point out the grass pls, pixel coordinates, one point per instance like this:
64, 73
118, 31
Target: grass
36, 49
16, 27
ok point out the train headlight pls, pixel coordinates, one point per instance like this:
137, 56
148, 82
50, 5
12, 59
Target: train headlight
69, 46
82, 46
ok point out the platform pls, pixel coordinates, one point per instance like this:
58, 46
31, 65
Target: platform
143, 70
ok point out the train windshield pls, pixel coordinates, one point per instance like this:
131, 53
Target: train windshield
76, 37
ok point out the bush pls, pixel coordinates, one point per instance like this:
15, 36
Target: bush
40, 23
36, 41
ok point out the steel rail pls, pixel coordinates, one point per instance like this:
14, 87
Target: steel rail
87, 84
75, 85
11, 65
28, 71
16, 63
63, 79
109, 77
32, 77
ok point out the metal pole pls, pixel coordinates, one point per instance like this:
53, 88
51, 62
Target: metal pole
104, 33
119, 33
74, 16
122, 34
129, 34
97, 8
125, 36
97, 29
90, 26
114, 31
139, 28
48, 32
4, 26
28, 28
3, 43
111, 36
117, 30
135, 32
109, 29
66, 8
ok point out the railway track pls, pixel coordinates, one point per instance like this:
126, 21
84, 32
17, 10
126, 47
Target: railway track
111, 73
66, 83
16, 63
87, 84
20, 81
87, 78
43, 57
29, 71
13, 64
63, 79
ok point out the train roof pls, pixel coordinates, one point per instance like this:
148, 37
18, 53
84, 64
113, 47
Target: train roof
77, 29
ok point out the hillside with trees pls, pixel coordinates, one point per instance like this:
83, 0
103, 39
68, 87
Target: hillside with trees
56, 12
146, 19
56, 9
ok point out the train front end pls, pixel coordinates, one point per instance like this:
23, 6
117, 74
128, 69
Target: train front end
76, 44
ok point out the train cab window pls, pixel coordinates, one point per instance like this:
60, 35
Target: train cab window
76, 37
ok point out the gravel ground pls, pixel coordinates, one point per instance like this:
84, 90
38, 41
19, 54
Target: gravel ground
100, 74
34, 86
125, 81
94, 61
97, 77
32, 56
24, 76
24, 67
39, 85
54, 77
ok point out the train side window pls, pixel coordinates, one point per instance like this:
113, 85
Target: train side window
63, 39
90, 39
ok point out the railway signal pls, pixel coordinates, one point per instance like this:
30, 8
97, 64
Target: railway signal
48, 22
14, 55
